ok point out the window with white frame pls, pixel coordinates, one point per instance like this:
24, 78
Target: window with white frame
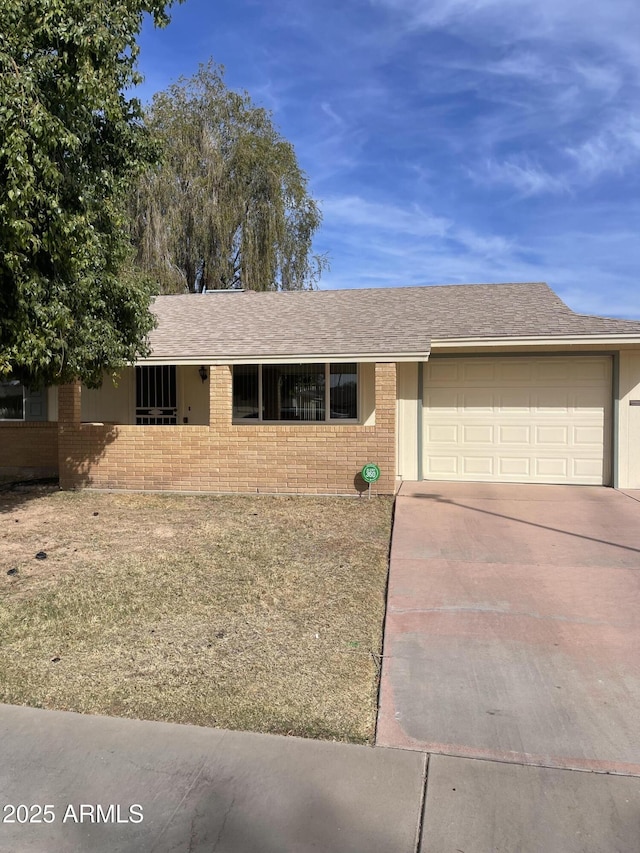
312, 393
12, 400
19, 403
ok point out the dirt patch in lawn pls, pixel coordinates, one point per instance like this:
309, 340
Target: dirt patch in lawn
260, 613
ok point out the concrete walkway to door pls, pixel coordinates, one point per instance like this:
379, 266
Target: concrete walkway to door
513, 625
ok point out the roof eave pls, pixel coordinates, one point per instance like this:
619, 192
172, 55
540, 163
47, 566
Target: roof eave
286, 358
537, 340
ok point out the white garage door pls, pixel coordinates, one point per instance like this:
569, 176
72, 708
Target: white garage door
520, 420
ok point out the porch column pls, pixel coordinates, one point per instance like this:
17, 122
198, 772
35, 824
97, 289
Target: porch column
69, 403
69, 417
386, 426
220, 397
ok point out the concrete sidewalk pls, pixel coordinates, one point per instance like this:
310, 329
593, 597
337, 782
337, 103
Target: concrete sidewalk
488, 807
199, 789
210, 790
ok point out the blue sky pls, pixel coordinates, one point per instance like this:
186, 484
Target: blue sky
447, 141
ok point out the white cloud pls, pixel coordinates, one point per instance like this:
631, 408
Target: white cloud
601, 78
522, 63
492, 246
356, 212
612, 150
614, 22
527, 178
328, 110
403, 232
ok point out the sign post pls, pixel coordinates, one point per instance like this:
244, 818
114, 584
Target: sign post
370, 474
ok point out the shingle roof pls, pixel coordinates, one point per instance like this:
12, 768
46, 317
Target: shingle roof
385, 322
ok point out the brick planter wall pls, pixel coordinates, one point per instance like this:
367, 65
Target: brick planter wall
223, 457
28, 449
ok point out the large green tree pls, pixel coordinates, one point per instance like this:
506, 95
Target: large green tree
228, 205
71, 142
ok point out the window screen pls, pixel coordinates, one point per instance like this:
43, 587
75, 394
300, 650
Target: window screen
245, 392
343, 391
293, 392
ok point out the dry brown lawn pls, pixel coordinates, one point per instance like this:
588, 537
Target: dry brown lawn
259, 613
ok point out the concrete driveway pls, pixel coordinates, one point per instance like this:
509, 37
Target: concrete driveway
513, 625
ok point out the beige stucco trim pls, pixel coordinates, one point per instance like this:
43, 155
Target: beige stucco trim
407, 419
572, 343
52, 403
329, 358
367, 392
628, 457
193, 396
560, 343
113, 402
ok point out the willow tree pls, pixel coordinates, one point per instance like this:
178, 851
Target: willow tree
71, 141
228, 205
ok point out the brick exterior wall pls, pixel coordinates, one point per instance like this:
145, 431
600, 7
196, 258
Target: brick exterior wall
223, 457
28, 449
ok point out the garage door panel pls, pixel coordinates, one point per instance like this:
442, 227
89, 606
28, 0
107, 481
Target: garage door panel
586, 468
588, 436
478, 465
446, 370
497, 420
443, 465
517, 371
442, 433
551, 400
557, 434
549, 466
478, 371
588, 400
514, 399
480, 399
478, 434
514, 434
514, 466
594, 370
441, 400
552, 370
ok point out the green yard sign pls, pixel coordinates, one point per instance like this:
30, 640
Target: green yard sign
370, 473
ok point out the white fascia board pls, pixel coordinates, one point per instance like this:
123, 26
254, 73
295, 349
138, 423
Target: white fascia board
568, 341
331, 358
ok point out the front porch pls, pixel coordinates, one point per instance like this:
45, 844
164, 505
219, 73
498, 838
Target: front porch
102, 446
